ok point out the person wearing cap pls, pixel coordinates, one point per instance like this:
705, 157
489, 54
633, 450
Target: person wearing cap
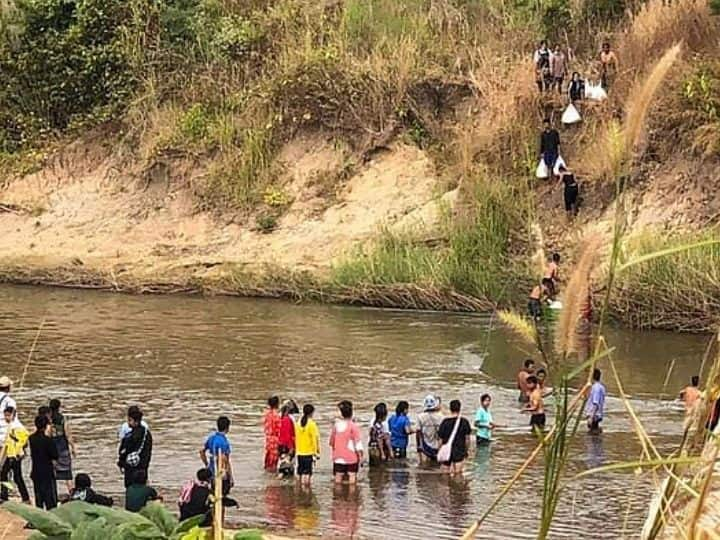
428, 423
13, 449
5, 402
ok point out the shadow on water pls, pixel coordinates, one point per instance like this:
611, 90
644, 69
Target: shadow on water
187, 360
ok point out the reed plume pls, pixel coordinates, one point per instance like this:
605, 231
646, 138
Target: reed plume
519, 325
576, 297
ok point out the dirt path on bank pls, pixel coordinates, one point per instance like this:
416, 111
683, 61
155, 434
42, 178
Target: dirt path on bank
84, 215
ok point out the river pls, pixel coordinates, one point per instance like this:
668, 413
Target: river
186, 360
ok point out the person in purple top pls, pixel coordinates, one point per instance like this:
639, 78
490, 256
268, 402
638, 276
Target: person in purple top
595, 403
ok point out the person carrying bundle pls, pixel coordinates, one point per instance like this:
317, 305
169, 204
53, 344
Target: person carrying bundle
576, 88
549, 145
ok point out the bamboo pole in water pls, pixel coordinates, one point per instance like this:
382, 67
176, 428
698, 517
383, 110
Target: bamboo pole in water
217, 532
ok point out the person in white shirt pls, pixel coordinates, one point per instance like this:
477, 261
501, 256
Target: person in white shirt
5, 402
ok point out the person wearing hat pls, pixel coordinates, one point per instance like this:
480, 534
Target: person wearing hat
428, 440
5, 402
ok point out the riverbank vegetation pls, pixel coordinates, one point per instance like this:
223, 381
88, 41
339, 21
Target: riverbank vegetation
219, 88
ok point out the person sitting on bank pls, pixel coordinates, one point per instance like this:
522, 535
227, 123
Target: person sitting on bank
138, 493
195, 498
549, 145
570, 192
82, 491
537, 295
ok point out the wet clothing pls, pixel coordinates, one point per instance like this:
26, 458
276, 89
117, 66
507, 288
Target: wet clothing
428, 426
286, 437
137, 496
596, 402
305, 465
89, 496
345, 468
537, 420
271, 426
43, 453
459, 449
346, 442
483, 421
399, 426
534, 308
216, 444
139, 439
307, 438
63, 468
377, 446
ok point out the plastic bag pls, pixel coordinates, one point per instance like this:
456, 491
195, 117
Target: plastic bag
571, 115
595, 92
558, 163
542, 170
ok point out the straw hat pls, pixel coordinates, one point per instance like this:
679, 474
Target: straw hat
5, 381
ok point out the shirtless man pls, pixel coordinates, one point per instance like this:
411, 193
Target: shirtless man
522, 378
691, 393
536, 297
608, 65
536, 407
552, 273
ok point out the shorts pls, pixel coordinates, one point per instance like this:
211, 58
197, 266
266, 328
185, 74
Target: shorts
538, 420
594, 424
428, 450
345, 468
399, 453
523, 398
570, 196
305, 465
534, 308
482, 441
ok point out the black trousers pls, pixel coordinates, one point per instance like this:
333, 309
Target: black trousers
45, 493
14, 466
130, 475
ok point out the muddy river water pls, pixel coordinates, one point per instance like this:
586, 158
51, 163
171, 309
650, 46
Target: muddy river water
186, 360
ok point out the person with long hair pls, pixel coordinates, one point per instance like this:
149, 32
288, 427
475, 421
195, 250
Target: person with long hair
286, 439
346, 444
271, 426
400, 430
63, 440
379, 450
307, 444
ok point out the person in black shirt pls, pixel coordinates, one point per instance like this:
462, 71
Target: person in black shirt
43, 453
195, 498
135, 449
576, 88
461, 440
549, 145
571, 191
82, 491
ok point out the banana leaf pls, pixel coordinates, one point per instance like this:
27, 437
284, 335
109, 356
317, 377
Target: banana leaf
97, 529
160, 516
47, 523
249, 534
186, 526
137, 531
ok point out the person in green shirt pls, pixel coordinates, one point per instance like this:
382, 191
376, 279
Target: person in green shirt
484, 421
138, 493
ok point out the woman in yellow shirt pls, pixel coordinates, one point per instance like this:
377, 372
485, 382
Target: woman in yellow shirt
307, 444
13, 449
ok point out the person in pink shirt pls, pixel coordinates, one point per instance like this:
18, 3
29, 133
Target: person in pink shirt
346, 444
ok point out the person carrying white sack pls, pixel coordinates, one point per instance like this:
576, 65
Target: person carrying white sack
549, 145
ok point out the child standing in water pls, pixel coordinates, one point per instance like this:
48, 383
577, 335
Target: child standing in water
307, 444
286, 440
271, 425
400, 429
379, 449
536, 407
346, 444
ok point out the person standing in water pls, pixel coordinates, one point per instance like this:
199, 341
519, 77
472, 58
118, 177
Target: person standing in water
484, 421
428, 440
379, 449
536, 406
400, 430
307, 444
216, 453
552, 272
570, 192
271, 426
64, 442
456, 431
522, 377
595, 407
286, 439
346, 444
608, 65
549, 145
691, 393
537, 295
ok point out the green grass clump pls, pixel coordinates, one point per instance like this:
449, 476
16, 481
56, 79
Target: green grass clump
680, 291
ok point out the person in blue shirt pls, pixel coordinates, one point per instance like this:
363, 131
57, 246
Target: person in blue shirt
596, 403
484, 421
400, 429
217, 447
